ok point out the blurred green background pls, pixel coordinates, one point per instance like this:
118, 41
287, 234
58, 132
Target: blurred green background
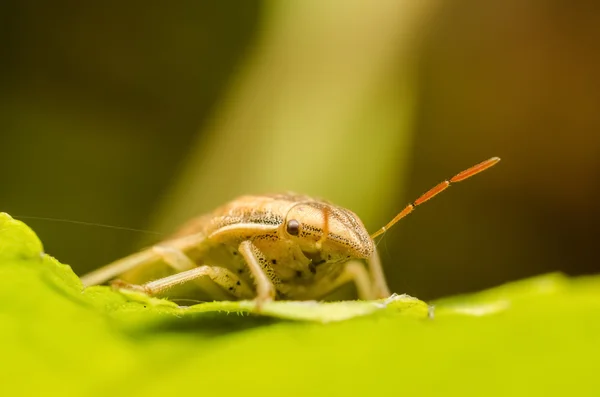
143, 114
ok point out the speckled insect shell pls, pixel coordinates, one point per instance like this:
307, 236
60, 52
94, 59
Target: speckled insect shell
272, 210
278, 246
296, 262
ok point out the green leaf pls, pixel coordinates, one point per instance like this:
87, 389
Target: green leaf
532, 337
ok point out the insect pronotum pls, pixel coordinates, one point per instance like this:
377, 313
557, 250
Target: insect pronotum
279, 246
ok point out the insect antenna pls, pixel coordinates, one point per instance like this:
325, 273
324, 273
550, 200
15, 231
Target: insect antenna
129, 229
440, 187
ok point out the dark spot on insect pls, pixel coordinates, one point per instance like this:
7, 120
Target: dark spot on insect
293, 227
298, 273
328, 257
274, 261
238, 283
240, 271
234, 252
230, 288
312, 268
144, 306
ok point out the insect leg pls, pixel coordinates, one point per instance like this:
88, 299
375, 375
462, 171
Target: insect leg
174, 257
120, 266
355, 272
223, 277
380, 287
264, 276
141, 258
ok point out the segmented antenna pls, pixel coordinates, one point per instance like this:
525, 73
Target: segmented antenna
60, 220
461, 176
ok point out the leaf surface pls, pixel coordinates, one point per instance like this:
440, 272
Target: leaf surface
533, 337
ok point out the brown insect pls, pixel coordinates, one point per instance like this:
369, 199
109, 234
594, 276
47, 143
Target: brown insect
280, 246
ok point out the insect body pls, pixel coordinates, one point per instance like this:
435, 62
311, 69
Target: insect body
281, 246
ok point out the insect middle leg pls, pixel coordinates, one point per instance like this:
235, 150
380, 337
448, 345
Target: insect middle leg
143, 258
226, 279
264, 276
188, 272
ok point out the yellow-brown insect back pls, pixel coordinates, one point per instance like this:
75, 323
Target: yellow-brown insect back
284, 246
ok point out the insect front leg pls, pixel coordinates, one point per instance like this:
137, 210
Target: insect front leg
380, 287
263, 274
354, 272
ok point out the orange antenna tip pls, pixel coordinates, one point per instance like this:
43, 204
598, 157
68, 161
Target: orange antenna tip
437, 189
476, 169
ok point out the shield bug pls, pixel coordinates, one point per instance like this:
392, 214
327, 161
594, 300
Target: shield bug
278, 246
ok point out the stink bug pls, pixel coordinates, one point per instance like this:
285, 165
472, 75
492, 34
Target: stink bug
278, 246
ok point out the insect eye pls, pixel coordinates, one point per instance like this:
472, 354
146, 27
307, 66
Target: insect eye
293, 227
